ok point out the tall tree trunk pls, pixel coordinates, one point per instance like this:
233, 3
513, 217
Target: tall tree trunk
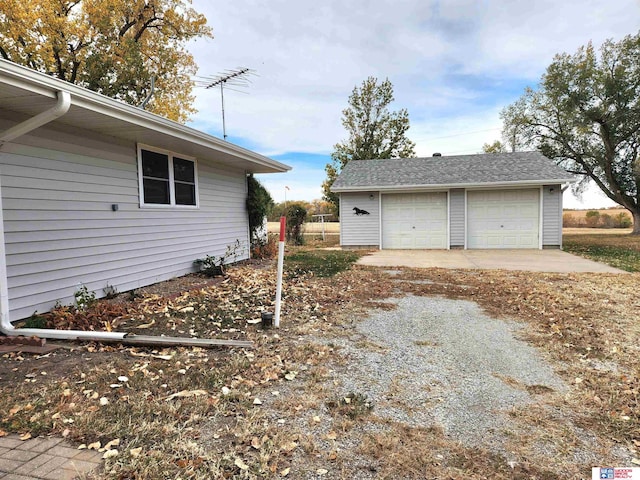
636, 222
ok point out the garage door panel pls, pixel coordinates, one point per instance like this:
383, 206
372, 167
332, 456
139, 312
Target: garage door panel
414, 221
503, 218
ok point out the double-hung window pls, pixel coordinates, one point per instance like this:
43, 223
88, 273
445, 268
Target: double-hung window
166, 179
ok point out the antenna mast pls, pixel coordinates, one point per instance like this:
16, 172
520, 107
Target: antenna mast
233, 78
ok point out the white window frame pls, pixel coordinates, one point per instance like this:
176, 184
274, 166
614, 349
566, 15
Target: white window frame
172, 185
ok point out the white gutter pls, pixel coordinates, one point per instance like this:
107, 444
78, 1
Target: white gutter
61, 107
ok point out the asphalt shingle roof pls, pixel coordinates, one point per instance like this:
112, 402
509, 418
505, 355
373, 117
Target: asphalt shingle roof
480, 169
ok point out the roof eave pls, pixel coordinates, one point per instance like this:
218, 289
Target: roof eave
446, 186
41, 84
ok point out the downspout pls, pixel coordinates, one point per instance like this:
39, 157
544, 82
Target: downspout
61, 107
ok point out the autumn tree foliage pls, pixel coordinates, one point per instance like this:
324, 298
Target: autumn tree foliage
113, 47
585, 114
374, 132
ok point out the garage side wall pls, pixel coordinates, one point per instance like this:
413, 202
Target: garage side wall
359, 230
551, 216
456, 218
58, 189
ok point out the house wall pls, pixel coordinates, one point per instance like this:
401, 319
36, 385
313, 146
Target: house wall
551, 216
456, 218
359, 230
60, 230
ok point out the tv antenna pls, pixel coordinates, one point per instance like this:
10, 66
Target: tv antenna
237, 78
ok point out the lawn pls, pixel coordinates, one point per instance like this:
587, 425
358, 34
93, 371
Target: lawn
282, 409
618, 250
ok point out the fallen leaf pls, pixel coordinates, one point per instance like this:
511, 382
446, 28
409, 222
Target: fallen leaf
256, 443
122, 378
316, 419
25, 436
104, 401
82, 446
254, 321
635, 461
289, 446
94, 446
186, 393
110, 454
240, 464
163, 357
290, 375
66, 432
3, 433
322, 471
135, 452
146, 325
225, 391
285, 472
113, 443
332, 435
257, 401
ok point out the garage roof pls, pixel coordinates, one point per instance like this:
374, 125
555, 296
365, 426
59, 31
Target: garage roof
25, 93
493, 169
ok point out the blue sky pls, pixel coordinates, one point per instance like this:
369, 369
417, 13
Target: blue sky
454, 65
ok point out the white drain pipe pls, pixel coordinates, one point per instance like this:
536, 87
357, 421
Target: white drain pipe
61, 107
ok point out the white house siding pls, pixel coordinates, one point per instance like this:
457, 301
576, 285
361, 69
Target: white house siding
60, 230
359, 230
551, 216
456, 218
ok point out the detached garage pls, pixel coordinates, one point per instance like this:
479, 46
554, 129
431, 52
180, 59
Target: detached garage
509, 200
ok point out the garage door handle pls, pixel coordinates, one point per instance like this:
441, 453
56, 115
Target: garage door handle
413, 228
501, 226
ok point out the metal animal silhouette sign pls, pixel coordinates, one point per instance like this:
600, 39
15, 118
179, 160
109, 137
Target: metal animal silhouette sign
358, 211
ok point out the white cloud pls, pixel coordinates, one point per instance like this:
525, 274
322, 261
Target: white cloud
454, 65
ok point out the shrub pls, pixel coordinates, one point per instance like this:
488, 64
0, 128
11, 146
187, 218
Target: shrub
622, 220
592, 218
259, 205
213, 266
569, 220
265, 249
607, 221
296, 215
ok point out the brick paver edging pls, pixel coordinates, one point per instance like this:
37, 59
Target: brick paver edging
45, 458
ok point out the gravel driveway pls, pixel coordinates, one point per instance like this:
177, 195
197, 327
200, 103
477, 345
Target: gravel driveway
439, 362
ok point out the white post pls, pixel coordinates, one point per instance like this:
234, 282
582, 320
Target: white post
322, 220
283, 223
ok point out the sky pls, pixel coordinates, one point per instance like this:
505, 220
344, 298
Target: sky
454, 65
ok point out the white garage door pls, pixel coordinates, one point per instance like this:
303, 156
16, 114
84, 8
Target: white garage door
503, 219
414, 220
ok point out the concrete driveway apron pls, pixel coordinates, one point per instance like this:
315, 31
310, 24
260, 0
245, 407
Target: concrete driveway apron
527, 260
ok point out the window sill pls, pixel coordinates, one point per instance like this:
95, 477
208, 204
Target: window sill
168, 207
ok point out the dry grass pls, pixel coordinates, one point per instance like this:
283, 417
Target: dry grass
267, 412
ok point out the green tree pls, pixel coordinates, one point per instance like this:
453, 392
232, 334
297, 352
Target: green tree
259, 205
374, 132
495, 147
113, 47
585, 114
